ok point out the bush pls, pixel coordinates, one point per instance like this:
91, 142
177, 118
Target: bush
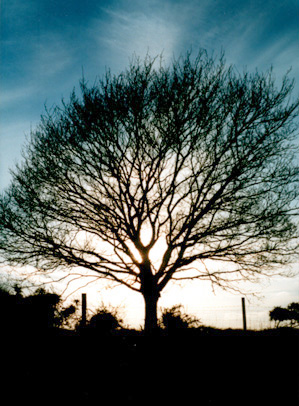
174, 318
106, 320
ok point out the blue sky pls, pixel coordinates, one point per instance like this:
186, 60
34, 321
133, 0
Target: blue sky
46, 45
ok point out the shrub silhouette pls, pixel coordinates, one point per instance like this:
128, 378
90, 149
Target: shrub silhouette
174, 318
106, 320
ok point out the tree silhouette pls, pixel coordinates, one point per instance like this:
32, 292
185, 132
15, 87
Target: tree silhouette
35, 312
194, 157
289, 315
293, 308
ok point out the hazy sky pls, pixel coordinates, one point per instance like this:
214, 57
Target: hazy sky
46, 45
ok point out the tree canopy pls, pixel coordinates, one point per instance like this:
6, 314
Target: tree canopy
193, 156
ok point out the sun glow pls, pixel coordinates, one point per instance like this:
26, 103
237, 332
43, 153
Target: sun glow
157, 251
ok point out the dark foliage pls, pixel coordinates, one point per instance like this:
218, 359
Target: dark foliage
287, 316
175, 318
106, 321
33, 313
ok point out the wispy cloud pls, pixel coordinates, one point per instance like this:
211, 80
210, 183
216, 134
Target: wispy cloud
283, 54
11, 96
123, 33
52, 55
12, 138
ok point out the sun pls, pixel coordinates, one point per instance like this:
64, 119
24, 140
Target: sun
157, 252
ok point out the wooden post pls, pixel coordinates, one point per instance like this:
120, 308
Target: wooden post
244, 314
83, 320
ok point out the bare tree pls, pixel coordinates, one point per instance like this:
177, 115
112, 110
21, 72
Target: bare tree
195, 155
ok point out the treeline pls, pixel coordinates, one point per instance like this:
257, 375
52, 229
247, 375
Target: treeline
42, 310
38, 311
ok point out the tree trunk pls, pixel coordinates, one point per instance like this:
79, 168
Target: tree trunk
149, 290
151, 319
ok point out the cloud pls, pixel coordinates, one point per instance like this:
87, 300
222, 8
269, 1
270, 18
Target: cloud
11, 96
12, 139
123, 33
52, 55
283, 55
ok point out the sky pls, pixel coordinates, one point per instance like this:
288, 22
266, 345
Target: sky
47, 46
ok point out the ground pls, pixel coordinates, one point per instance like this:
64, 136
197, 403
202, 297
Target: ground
231, 368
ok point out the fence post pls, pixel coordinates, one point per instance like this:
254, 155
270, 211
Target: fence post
244, 314
83, 320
